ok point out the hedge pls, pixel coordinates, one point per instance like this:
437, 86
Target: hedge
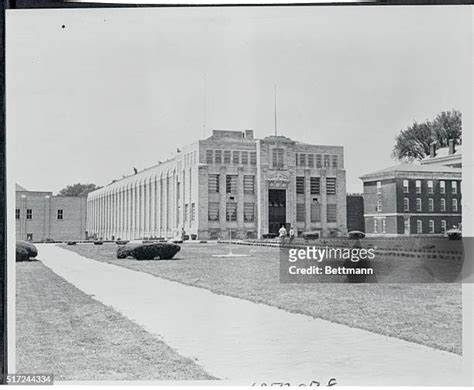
163, 250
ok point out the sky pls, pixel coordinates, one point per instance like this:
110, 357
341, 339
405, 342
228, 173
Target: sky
93, 93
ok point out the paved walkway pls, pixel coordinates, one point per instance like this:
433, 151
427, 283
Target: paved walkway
245, 342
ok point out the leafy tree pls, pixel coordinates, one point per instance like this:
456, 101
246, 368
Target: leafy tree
78, 189
414, 142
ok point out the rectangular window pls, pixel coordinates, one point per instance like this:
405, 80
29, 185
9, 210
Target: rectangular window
405, 186
249, 184
245, 158
249, 212
213, 211
406, 204
442, 187
431, 226
430, 186
443, 204
300, 184
315, 212
334, 161
213, 183
277, 158
186, 212
376, 225
319, 163
17, 214
226, 156
253, 158
218, 157
419, 226
231, 184
455, 204
326, 161
430, 204
379, 204
330, 185
236, 157
311, 160
231, 212
418, 204
406, 223
418, 186
443, 226
302, 159
384, 224
60, 214
300, 212
379, 187
332, 213
454, 187
193, 212
209, 155
315, 185
29, 214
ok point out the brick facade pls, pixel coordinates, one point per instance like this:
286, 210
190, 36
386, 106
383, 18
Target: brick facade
412, 200
41, 216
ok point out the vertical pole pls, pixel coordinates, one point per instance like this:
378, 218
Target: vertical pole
275, 90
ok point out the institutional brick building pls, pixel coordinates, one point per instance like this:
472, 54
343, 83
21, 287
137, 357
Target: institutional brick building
41, 216
227, 182
412, 199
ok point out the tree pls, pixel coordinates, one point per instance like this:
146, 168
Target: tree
78, 189
414, 142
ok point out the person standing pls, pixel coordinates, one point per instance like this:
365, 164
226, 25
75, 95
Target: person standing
292, 234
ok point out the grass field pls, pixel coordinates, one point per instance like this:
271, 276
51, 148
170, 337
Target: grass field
61, 330
429, 314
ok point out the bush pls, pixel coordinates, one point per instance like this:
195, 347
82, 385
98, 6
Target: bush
125, 251
163, 250
193, 236
311, 235
71, 243
29, 247
121, 242
98, 242
21, 254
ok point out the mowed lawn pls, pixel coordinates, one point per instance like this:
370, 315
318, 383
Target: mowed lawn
429, 314
63, 331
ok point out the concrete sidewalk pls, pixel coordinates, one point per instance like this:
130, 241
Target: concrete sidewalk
244, 342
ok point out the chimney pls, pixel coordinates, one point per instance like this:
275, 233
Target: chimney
433, 149
248, 134
451, 148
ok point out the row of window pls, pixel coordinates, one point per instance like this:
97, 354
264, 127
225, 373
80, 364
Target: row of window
249, 212
188, 160
419, 204
29, 214
318, 160
231, 212
315, 185
429, 184
380, 226
315, 212
236, 157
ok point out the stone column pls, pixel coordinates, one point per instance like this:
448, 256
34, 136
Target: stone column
324, 204
222, 198
240, 200
307, 200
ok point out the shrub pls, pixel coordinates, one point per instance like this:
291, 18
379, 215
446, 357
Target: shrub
163, 250
29, 247
71, 243
21, 253
193, 236
121, 242
98, 242
310, 235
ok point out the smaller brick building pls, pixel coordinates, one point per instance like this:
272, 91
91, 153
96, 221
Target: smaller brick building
412, 199
41, 216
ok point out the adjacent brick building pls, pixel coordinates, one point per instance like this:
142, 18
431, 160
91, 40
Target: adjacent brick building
227, 182
412, 199
40, 216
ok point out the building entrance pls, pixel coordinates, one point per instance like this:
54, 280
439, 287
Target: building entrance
276, 210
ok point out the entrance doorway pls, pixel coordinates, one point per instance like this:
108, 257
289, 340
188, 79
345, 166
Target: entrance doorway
276, 210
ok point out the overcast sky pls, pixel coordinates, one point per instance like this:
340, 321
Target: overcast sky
117, 89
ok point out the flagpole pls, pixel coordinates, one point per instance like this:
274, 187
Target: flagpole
275, 90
